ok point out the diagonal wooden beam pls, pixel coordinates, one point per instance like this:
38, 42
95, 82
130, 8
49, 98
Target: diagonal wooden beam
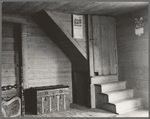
48, 22
66, 32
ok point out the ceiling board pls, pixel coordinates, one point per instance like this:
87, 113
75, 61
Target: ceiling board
119, 9
54, 5
69, 6
4, 4
91, 9
110, 7
28, 6
13, 7
99, 8
39, 6
77, 6
43, 5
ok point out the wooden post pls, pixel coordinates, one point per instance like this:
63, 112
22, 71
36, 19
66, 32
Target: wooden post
17, 47
91, 61
90, 72
24, 80
92, 96
90, 49
24, 56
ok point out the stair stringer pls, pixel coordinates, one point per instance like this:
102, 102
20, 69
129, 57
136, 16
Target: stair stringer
51, 25
95, 90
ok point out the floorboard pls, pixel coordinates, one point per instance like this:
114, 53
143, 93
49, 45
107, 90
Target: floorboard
80, 111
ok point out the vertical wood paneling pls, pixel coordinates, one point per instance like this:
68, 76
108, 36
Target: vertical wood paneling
112, 44
90, 43
104, 36
96, 26
105, 45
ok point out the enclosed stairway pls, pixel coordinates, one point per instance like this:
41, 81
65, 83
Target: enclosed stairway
112, 95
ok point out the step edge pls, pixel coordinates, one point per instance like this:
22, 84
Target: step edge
124, 100
116, 111
130, 110
115, 91
103, 81
107, 83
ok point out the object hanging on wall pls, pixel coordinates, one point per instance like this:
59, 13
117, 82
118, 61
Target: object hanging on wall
78, 26
139, 26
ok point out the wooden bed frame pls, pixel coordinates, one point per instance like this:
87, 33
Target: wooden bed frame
11, 107
7, 107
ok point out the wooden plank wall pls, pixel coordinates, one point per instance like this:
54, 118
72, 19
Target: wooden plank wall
8, 59
104, 44
133, 53
66, 20
47, 64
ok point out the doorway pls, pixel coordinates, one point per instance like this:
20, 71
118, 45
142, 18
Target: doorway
104, 45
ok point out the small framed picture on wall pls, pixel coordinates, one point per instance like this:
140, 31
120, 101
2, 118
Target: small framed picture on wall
78, 26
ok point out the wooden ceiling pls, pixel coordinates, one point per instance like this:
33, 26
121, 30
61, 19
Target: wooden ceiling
101, 8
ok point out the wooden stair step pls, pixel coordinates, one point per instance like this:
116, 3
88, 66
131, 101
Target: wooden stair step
119, 94
104, 79
112, 86
124, 105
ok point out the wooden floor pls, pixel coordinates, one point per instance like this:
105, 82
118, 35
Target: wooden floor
79, 111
